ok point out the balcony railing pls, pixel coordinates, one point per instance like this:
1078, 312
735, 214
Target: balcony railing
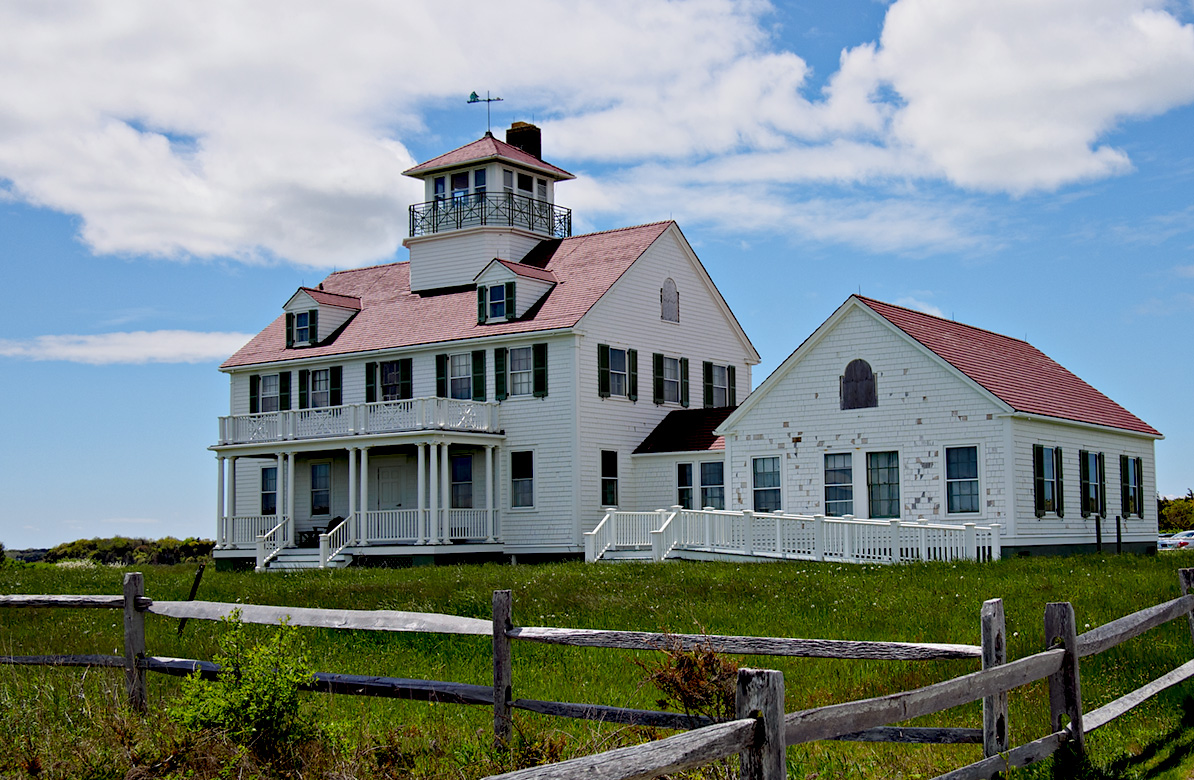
412, 414
490, 208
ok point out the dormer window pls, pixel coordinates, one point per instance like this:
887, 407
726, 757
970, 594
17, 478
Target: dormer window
302, 328
495, 302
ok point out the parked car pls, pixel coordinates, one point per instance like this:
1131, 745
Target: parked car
1177, 541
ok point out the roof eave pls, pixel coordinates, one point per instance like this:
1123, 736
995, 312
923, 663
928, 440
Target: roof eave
1033, 417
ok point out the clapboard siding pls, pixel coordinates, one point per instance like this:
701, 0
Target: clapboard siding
655, 477
437, 263
628, 317
922, 409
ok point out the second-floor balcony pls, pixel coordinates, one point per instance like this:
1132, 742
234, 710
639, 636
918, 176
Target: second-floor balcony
490, 208
411, 414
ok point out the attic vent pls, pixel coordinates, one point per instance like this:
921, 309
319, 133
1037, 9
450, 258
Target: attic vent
858, 386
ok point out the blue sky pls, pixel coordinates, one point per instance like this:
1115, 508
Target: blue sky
171, 172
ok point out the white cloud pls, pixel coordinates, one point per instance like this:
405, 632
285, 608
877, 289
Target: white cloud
160, 346
275, 129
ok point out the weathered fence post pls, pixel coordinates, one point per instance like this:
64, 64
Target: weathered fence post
994, 634
1185, 578
1065, 688
503, 726
748, 531
894, 527
970, 536
761, 696
134, 642
819, 537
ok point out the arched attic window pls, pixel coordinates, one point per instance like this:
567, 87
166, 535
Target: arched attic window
858, 386
669, 301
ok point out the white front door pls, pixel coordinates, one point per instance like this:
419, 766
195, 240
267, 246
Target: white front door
389, 487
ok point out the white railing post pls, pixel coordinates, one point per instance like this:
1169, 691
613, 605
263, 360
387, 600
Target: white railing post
894, 525
923, 533
708, 514
324, 549
971, 541
848, 538
748, 529
996, 542
612, 513
260, 553
590, 547
819, 537
779, 533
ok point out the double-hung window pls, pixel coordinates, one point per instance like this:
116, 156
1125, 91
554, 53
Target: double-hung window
269, 490
302, 328
394, 385
462, 482
684, 485
521, 371
1131, 485
617, 372
766, 484
961, 480
269, 393
713, 489
671, 380
460, 377
883, 484
1092, 474
609, 478
1047, 480
321, 388
719, 385
321, 488
522, 479
839, 484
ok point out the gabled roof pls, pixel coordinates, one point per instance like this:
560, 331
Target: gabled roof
330, 299
486, 148
687, 430
1012, 370
529, 271
391, 316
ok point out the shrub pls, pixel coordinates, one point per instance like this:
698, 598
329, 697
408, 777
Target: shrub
255, 696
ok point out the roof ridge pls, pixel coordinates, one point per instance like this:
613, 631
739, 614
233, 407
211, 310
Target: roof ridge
955, 323
622, 229
327, 292
367, 268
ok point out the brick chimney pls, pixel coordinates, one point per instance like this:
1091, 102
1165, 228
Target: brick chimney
526, 137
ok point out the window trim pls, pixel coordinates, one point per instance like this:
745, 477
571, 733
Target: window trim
1135, 465
510, 465
661, 382
690, 487
453, 483
311, 487
265, 492
705, 486
1039, 480
777, 488
899, 499
609, 481
529, 372
1092, 504
978, 478
826, 484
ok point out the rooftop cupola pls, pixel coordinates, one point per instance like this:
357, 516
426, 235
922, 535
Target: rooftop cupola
484, 200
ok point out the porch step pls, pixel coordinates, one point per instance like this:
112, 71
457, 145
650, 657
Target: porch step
624, 555
299, 558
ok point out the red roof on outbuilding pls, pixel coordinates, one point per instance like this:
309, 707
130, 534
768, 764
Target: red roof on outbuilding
1012, 370
487, 148
687, 430
391, 316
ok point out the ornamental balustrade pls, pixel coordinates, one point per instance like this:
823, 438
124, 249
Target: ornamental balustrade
484, 208
412, 414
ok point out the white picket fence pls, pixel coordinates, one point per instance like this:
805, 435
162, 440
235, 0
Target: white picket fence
670, 533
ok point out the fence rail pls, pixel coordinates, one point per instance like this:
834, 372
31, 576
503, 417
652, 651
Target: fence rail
759, 739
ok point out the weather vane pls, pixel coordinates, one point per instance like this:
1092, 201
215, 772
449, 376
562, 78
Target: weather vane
486, 100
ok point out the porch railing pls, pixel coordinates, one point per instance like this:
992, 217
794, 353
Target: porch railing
411, 414
334, 541
490, 208
270, 543
243, 530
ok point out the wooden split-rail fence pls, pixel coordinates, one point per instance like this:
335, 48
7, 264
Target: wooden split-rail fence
762, 730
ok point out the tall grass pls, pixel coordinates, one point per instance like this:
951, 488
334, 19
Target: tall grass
48, 715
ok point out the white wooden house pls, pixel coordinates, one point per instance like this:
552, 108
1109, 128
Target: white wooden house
884, 412
482, 399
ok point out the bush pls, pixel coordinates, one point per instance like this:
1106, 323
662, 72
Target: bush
125, 551
255, 696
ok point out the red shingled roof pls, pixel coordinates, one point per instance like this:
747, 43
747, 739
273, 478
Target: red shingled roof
487, 148
687, 430
529, 271
392, 316
333, 299
1012, 370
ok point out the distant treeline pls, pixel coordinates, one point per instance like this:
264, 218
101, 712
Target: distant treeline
1176, 514
122, 550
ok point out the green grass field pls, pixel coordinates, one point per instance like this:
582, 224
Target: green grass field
70, 723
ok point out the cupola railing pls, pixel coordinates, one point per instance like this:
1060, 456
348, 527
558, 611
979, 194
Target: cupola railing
490, 208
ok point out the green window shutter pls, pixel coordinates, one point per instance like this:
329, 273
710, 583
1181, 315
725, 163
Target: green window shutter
732, 390
313, 319
480, 304
499, 374
707, 379
336, 385
1124, 501
539, 372
1084, 482
632, 374
304, 383
284, 391
406, 385
1038, 475
684, 382
254, 394
370, 382
1058, 462
1102, 486
657, 377
603, 370
479, 375
441, 376
1140, 487
289, 330
510, 313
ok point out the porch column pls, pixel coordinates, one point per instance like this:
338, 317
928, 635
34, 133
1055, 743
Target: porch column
421, 488
445, 493
361, 536
490, 494
433, 493
290, 498
221, 526
354, 522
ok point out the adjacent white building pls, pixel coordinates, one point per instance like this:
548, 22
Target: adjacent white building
482, 399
